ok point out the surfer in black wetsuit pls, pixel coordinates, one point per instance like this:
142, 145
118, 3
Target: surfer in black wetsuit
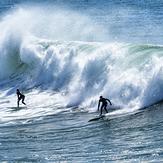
20, 96
104, 103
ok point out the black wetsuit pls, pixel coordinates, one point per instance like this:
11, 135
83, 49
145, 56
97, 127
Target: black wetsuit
104, 103
20, 96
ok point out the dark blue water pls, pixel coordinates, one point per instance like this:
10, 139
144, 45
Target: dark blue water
63, 55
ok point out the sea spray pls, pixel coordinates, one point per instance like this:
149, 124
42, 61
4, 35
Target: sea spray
32, 57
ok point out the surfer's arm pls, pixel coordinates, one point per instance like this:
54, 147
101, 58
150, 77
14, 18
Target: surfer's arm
18, 94
98, 105
109, 101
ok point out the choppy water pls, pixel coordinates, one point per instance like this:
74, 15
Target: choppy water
63, 55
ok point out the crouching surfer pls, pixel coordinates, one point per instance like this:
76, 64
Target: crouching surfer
20, 97
104, 104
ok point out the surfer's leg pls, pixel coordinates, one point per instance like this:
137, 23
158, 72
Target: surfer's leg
18, 103
105, 108
23, 100
101, 109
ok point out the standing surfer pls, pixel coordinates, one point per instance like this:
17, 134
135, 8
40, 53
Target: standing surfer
104, 103
20, 96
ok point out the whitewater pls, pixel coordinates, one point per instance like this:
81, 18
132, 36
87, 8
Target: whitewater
63, 61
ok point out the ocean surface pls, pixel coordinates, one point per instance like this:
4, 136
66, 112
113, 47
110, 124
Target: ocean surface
63, 55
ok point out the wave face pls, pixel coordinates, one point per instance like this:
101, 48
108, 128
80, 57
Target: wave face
54, 53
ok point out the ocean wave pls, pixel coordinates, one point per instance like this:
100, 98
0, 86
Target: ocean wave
130, 75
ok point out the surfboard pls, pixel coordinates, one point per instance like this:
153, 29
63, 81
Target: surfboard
96, 118
16, 108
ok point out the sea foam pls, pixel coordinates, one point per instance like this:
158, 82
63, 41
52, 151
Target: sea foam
79, 64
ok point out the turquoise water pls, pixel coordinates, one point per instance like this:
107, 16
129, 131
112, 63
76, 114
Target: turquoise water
63, 55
